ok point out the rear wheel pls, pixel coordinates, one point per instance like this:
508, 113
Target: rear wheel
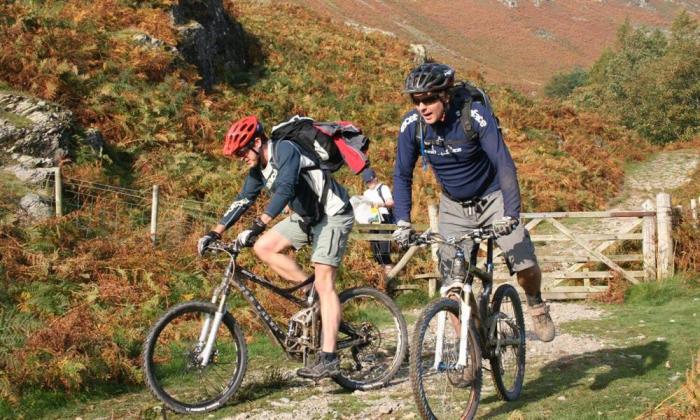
445, 391
372, 339
507, 343
172, 359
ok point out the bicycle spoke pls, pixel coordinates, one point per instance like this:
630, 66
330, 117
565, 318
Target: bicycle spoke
372, 339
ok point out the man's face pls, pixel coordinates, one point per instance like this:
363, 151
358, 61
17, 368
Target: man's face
250, 154
430, 106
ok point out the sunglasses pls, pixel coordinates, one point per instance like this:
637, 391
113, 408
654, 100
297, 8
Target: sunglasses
425, 100
244, 151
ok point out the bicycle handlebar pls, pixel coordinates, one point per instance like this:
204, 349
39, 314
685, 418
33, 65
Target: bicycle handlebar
231, 248
476, 235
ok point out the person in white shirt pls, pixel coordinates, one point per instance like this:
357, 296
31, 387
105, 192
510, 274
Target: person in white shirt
379, 195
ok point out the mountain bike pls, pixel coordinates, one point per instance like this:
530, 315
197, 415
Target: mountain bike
195, 356
454, 332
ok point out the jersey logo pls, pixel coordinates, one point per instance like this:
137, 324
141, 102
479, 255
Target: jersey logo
236, 204
411, 119
478, 118
270, 179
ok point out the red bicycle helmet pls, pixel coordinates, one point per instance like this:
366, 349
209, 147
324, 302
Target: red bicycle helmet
241, 133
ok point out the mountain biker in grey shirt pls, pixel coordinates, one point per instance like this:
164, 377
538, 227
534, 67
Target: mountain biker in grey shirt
295, 180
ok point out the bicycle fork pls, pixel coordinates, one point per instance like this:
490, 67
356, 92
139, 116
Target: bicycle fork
464, 315
210, 326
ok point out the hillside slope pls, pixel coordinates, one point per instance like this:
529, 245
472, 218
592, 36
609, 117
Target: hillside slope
77, 293
523, 46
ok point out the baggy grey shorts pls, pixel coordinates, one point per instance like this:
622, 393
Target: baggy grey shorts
330, 236
455, 221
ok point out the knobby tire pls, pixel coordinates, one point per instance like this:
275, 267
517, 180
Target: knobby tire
381, 357
508, 367
422, 373
182, 385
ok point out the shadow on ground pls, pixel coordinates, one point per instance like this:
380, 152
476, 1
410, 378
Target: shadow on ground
572, 371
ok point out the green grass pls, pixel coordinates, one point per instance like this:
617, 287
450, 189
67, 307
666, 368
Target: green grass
412, 299
654, 338
656, 328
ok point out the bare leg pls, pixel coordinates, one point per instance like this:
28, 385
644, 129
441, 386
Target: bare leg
330, 305
270, 248
530, 280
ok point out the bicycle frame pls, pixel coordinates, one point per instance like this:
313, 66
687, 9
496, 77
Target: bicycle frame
238, 276
468, 304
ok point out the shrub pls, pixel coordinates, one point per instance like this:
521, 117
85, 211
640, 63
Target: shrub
561, 85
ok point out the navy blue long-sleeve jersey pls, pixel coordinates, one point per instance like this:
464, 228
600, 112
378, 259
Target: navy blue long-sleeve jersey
466, 169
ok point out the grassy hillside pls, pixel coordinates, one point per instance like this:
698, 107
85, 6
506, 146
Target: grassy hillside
522, 46
77, 293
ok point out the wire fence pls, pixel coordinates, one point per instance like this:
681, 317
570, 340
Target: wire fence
94, 205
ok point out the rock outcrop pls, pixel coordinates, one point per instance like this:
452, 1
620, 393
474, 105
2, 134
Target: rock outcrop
33, 127
210, 39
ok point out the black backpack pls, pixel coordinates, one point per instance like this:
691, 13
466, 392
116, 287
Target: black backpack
334, 143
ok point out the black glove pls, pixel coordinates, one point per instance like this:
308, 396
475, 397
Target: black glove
505, 226
402, 234
206, 240
248, 236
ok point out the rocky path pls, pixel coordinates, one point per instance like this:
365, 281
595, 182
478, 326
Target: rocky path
304, 400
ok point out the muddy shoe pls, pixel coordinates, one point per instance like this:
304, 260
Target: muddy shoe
462, 378
542, 322
326, 365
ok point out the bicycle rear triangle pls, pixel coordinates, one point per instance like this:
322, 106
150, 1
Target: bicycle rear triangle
195, 356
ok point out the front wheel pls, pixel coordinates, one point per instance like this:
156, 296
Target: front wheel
443, 389
507, 343
172, 360
372, 339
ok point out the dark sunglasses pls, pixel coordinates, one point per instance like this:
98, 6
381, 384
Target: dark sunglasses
425, 100
242, 152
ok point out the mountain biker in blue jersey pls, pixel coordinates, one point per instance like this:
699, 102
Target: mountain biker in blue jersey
477, 176
295, 180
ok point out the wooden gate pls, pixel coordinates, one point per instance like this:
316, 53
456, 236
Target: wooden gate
574, 248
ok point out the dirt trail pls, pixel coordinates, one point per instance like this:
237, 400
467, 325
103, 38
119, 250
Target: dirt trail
664, 171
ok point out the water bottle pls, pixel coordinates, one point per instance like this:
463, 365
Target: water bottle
459, 269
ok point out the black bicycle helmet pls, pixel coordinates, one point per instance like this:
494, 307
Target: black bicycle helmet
429, 77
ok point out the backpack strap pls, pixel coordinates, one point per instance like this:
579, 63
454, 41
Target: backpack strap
464, 94
379, 191
307, 222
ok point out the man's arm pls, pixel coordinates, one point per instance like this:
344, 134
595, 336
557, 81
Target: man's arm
406, 156
492, 142
251, 189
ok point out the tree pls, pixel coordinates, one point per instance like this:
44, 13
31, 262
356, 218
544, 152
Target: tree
650, 81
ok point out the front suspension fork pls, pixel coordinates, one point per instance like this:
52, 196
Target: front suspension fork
465, 316
210, 326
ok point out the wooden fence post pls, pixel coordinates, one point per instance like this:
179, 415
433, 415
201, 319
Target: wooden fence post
154, 214
433, 216
58, 190
694, 210
664, 228
649, 242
